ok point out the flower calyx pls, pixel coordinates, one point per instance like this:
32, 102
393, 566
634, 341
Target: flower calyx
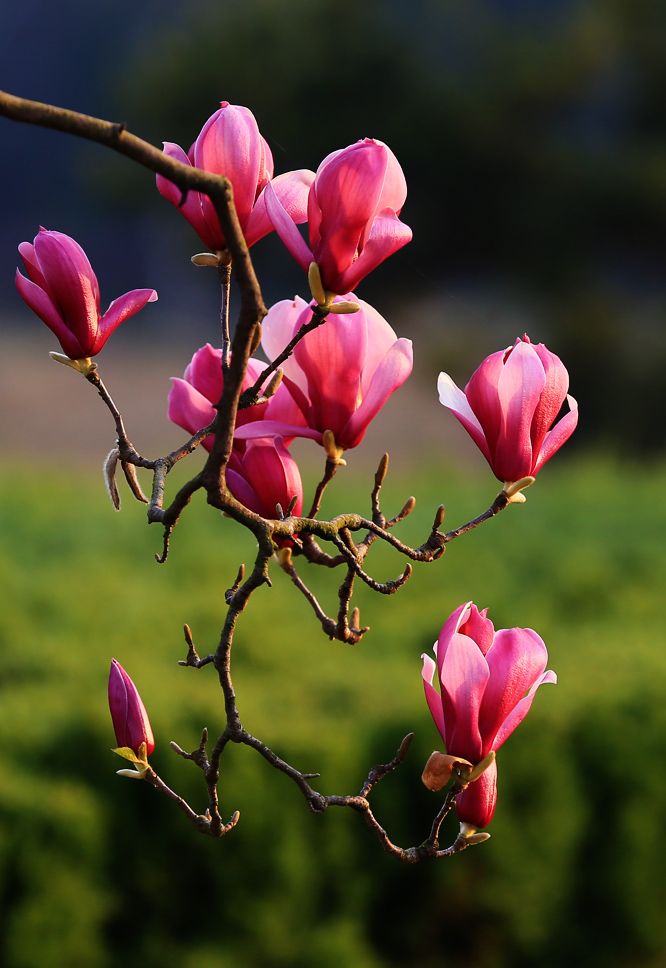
140, 760
512, 490
84, 366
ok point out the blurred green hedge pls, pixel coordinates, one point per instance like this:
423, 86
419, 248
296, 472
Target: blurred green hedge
96, 871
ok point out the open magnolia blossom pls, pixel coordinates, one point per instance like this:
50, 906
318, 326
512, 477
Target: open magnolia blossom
340, 375
62, 290
230, 144
353, 208
509, 406
487, 682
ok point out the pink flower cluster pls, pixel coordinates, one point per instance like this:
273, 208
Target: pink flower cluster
487, 682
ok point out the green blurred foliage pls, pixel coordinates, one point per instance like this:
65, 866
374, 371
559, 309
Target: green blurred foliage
96, 870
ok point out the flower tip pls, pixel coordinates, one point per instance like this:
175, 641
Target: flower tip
316, 285
205, 259
84, 366
344, 308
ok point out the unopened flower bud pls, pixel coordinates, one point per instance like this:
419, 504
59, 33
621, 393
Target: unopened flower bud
129, 716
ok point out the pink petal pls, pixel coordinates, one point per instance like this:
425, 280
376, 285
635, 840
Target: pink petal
230, 144
388, 234
292, 189
560, 433
121, 309
389, 375
271, 428
483, 398
273, 473
517, 715
519, 388
244, 492
479, 628
455, 400
552, 397
204, 372
450, 627
516, 660
286, 229
381, 337
476, 805
332, 357
72, 284
208, 230
278, 327
188, 408
433, 698
42, 305
463, 677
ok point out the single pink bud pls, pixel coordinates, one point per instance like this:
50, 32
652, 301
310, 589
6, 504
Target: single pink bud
62, 290
128, 714
509, 406
353, 209
264, 476
487, 682
340, 375
230, 144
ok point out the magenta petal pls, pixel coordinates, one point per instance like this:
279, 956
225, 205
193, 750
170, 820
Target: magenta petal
188, 408
476, 805
552, 396
292, 190
278, 327
519, 389
245, 493
42, 305
121, 309
72, 284
516, 660
286, 229
560, 433
128, 714
450, 627
389, 375
433, 698
456, 401
271, 428
463, 677
388, 234
273, 473
517, 715
332, 359
204, 372
381, 337
478, 627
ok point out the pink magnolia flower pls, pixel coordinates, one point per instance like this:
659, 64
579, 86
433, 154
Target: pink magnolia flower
353, 209
340, 375
487, 683
62, 290
128, 713
192, 399
509, 406
230, 144
266, 475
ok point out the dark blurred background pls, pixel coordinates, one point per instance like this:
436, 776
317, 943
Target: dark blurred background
532, 134
533, 137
